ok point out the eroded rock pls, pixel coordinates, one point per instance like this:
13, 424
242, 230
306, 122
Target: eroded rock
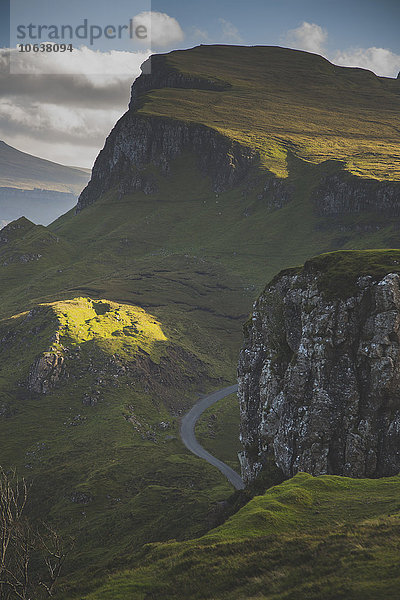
319, 379
46, 372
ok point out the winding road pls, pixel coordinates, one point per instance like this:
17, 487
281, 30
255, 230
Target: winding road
189, 439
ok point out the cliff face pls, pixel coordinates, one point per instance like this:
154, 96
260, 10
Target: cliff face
157, 74
139, 141
339, 194
319, 378
46, 372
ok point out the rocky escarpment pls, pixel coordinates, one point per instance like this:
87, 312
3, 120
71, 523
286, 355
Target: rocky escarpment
273, 193
319, 376
139, 141
157, 74
141, 151
48, 368
46, 372
344, 194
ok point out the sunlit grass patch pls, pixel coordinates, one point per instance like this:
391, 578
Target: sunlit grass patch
114, 327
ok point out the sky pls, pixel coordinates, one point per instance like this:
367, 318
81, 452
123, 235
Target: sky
62, 105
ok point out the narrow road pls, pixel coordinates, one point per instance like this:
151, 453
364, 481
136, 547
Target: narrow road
189, 439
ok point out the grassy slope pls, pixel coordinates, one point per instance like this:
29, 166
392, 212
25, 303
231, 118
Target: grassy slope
306, 539
284, 100
218, 431
187, 265
102, 447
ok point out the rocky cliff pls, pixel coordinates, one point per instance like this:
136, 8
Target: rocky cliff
46, 372
319, 373
341, 194
139, 141
141, 149
157, 74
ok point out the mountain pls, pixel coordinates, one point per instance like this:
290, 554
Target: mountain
36, 188
291, 146
230, 164
258, 106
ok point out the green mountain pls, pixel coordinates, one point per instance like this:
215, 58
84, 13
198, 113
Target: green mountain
230, 164
39, 189
277, 101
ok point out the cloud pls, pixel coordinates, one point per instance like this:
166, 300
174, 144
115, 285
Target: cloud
82, 61
312, 37
62, 106
230, 33
199, 34
50, 115
164, 30
379, 60
309, 36
52, 122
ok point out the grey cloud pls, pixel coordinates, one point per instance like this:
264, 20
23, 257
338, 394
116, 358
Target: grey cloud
66, 109
10, 129
72, 90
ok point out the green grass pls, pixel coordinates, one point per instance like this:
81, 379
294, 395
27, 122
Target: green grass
339, 271
316, 110
195, 263
109, 429
306, 539
82, 320
217, 430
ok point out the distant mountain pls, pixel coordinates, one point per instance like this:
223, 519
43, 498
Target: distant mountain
36, 188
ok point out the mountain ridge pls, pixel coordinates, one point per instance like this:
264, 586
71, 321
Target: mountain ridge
33, 166
38, 188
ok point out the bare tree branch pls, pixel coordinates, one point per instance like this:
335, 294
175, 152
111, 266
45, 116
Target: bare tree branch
20, 542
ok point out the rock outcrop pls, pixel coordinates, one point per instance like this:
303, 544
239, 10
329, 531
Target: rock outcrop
342, 193
138, 141
319, 377
46, 372
157, 74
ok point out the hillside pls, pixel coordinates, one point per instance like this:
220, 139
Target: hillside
181, 225
90, 397
306, 539
280, 102
36, 188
